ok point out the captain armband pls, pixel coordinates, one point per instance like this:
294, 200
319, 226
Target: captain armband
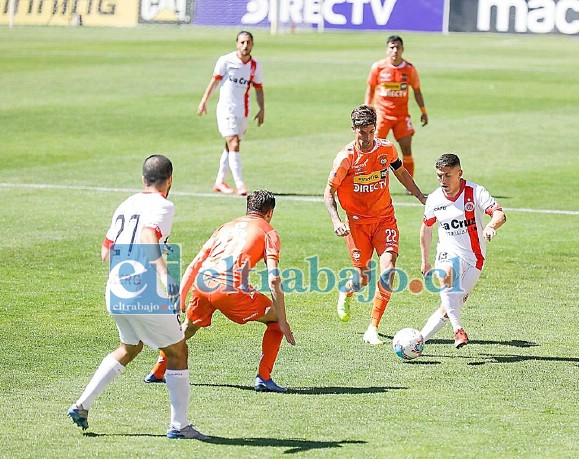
396, 164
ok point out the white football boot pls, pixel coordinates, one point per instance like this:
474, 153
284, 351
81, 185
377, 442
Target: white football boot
371, 336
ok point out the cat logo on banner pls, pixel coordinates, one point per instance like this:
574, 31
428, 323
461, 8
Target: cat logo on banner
166, 11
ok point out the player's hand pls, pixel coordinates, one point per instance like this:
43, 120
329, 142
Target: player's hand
489, 233
425, 268
424, 119
202, 109
173, 291
286, 330
341, 229
260, 117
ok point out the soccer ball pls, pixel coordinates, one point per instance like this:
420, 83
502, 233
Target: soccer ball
408, 344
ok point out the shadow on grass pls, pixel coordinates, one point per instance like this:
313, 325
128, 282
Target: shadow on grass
94, 434
512, 343
316, 390
491, 358
421, 362
293, 445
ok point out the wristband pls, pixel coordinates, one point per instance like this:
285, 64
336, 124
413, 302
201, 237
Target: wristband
423, 110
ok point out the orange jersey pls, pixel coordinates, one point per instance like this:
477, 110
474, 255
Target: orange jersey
391, 87
236, 247
361, 180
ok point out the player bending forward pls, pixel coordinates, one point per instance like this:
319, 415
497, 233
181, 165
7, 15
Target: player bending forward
218, 280
458, 206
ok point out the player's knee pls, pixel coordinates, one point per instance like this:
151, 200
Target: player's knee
131, 351
189, 329
233, 144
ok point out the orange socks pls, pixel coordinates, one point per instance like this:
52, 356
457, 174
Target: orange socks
161, 366
408, 162
380, 302
269, 349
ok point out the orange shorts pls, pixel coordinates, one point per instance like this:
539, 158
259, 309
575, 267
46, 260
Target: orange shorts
364, 238
400, 127
239, 306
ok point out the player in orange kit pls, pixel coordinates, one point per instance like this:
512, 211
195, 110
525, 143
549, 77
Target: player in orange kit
359, 177
387, 90
218, 279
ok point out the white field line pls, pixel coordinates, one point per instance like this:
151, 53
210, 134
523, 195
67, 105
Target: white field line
47, 186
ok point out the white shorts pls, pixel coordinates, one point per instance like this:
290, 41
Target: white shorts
465, 276
155, 330
230, 125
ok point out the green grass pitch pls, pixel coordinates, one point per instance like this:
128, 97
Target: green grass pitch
81, 108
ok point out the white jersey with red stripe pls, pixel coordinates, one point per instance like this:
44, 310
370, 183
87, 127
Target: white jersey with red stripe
460, 221
141, 210
236, 81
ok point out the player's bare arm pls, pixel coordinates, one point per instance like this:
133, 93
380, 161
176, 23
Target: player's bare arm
369, 97
497, 220
340, 228
260, 117
420, 102
425, 241
277, 296
408, 182
105, 253
202, 109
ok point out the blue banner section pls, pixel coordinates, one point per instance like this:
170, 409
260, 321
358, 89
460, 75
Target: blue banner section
134, 285
409, 15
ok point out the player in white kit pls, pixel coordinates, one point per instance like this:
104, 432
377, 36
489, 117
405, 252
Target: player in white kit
459, 207
139, 225
236, 72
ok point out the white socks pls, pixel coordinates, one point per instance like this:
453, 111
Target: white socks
223, 167
107, 371
434, 323
452, 305
235, 165
178, 385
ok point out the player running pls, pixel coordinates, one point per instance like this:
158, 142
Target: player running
387, 89
459, 207
218, 280
360, 178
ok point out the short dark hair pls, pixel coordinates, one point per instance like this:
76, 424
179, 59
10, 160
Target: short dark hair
393, 38
260, 201
447, 160
363, 115
243, 32
157, 169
